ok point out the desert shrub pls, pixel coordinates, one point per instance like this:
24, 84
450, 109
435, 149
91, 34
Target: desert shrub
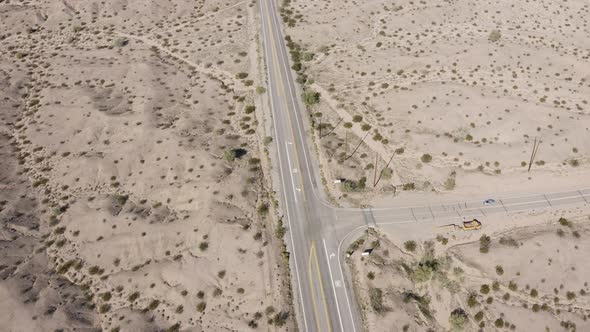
508, 241
534, 293
154, 304
450, 183
241, 75
472, 300
426, 158
262, 209
120, 199
570, 295
249, 109
512, 286
484, 244
410, 245
232, 154
201, 306
104, 308
310, 97
408, 186
499, 270
387, 173
564, 222
354, 186
425, 269
366, 127
496, 286
280, 318
484, 289
204, 245
121, 42
457, 319
260, 90
106, 296
478, 316
371, 275
357, 118
134, 296
499, 323
494, 35
376, 299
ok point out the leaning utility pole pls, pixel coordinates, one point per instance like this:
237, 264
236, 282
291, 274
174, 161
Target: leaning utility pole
357, 147
384, 168
534, 153
375, 167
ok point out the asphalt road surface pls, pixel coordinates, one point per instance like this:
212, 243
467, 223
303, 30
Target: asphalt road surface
317, 232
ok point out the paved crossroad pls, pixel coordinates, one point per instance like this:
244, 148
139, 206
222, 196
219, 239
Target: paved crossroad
316, 230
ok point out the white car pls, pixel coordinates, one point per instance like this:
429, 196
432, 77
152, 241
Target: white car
489, 201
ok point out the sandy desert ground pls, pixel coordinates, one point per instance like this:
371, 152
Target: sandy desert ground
454, 93
133, 194
532, 277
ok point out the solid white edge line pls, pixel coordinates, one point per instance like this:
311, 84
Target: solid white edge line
333, 286
343, 279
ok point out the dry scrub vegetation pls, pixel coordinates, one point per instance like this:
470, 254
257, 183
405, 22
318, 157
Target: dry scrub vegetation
453, 92
133, 190
529, 279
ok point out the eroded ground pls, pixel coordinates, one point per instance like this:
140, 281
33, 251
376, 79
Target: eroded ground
532, 278
134, 195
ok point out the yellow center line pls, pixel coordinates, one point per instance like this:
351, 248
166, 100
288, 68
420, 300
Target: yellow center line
312, 249
317, 264
282, 87
315, 306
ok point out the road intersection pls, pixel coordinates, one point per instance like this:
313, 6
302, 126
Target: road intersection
317, 232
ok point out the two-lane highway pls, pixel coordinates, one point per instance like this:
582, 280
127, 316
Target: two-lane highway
313, 254
317, 231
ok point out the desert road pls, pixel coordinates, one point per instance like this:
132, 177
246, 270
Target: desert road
317, 233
